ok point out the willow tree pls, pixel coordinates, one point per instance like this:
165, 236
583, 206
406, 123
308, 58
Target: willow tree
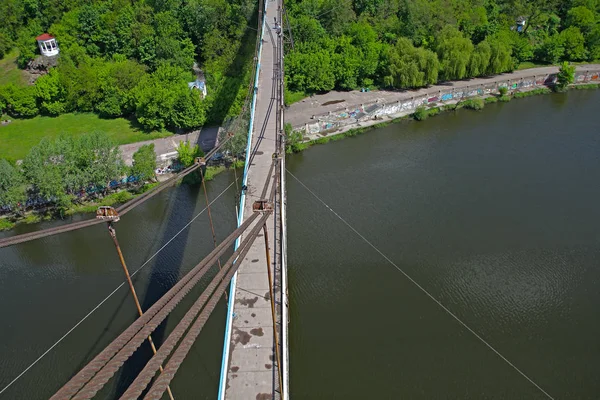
410, 67
454, 52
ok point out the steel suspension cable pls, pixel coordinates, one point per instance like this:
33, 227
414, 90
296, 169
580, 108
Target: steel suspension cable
188, 341
109, 295
163, 307
149, 371
210, 221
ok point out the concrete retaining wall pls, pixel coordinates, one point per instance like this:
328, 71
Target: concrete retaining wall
365, 112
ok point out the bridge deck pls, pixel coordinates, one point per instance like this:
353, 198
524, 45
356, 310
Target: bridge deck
251, 363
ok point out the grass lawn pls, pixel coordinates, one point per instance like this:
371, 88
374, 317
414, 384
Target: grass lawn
9, 73
293, 97
20, 135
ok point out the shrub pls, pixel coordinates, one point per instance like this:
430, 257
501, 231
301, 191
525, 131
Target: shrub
502, 90
566, 76
491, 100
421, 113
433, 111
473, 104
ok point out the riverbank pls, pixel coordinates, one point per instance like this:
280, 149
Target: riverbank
89, 207
429, 111
334, 110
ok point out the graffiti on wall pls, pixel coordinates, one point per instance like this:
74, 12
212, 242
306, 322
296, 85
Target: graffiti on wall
349, 117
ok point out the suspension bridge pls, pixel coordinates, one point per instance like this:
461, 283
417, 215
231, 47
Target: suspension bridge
253, 279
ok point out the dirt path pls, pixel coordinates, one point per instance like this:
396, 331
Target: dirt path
300, 113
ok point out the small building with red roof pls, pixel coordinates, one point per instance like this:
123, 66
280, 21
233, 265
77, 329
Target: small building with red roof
47, 44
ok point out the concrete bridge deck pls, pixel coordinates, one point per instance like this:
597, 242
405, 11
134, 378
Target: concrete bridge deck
250, 370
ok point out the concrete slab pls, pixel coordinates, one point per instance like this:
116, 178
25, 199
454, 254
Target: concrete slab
253, 382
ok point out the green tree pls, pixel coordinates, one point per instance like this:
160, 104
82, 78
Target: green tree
480, 59
5, 44
551, 50
20, 101
346, 63
408, 67
97, 160
574, 44
500, 59
186, 153
454, 52
51, 93
163, 99
582, 18
45, 169
336, 15
59, 168
12, 188
566, 75
310, 70
144, 162
307, 29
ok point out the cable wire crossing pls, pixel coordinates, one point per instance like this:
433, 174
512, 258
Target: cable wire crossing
111, 293
482, 340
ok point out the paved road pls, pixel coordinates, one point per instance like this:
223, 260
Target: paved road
300, 113
205, 138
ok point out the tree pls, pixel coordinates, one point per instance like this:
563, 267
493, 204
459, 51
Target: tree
57, 169
186, 153
346, 63
20, 101
163, 99
480, 59
454, 52
12, 189
5, 44
98, 159
144, 162
44, 168
308, 69
574, 44
51, 93
336, 15
500, 57
408, 67
551, 50
566, 75
582, 18
307, 29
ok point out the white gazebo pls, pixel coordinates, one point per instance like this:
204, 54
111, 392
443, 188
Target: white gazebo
47, 45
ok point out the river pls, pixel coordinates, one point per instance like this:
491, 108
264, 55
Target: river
47, 286
494, 213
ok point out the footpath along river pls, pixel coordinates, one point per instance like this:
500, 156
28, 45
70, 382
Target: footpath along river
495, 213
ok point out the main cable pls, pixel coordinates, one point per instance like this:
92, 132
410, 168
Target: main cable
163, 307
149, 371
425, 291
110, 295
